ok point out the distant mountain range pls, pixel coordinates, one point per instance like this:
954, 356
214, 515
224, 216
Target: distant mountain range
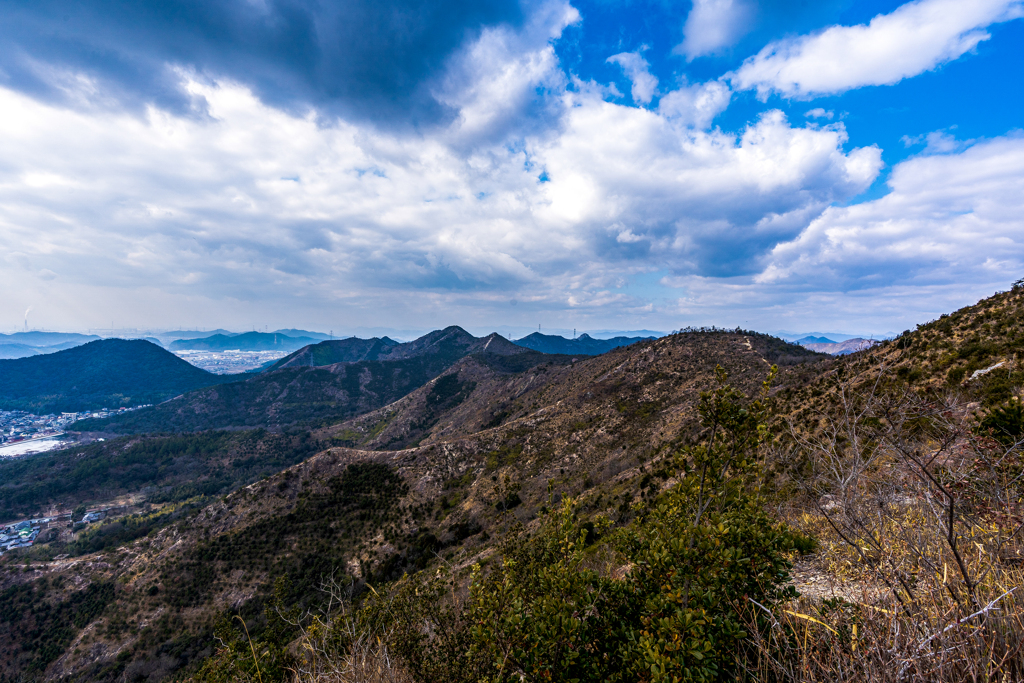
106, 373
838, 348
301, 390
451, 341
583, 345
34, 338
192, 334
25, 344
175, 335
304, 333
814, 340
248, 341
834, 348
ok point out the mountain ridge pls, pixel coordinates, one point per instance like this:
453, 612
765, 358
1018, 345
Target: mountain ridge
247, 341
304, 394
354, 349
581, 345
841, 348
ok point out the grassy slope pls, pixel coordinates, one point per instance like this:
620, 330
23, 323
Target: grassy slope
937, 357
946, 352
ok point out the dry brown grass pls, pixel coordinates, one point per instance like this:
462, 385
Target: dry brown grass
367, 659
918, 519
888, 628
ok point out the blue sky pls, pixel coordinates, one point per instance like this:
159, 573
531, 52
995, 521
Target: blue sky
606, 164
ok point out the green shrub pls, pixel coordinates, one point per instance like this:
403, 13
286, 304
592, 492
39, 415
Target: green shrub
1005, 423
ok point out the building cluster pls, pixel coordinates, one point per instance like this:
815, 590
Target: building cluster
24, 533
230, 362
17, 426
20, 534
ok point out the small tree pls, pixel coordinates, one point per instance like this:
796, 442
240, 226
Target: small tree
708, 550
541, 615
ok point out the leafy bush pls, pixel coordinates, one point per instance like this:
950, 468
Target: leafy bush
1005, 423
707, 550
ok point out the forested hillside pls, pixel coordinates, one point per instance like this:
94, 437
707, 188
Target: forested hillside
351, 350
107, 373
688, 505
313, 396
169, 468
493, 431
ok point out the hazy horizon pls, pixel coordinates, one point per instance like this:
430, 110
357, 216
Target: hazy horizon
405, 335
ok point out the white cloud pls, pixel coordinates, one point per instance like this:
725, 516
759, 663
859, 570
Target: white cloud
492, 83
695, 193
916, 37
219, 218
636, 68
819, 113
712, 25
696, 105
936, 142
950, 218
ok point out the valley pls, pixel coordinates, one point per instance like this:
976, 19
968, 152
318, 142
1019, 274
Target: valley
368, 461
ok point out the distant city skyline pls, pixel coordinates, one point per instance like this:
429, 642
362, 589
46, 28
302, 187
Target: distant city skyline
506, 163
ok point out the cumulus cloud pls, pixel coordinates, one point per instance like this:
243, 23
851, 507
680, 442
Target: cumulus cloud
500, 84
254, 203
712, 25
705, 202
916, 37
949, 218
636, 68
